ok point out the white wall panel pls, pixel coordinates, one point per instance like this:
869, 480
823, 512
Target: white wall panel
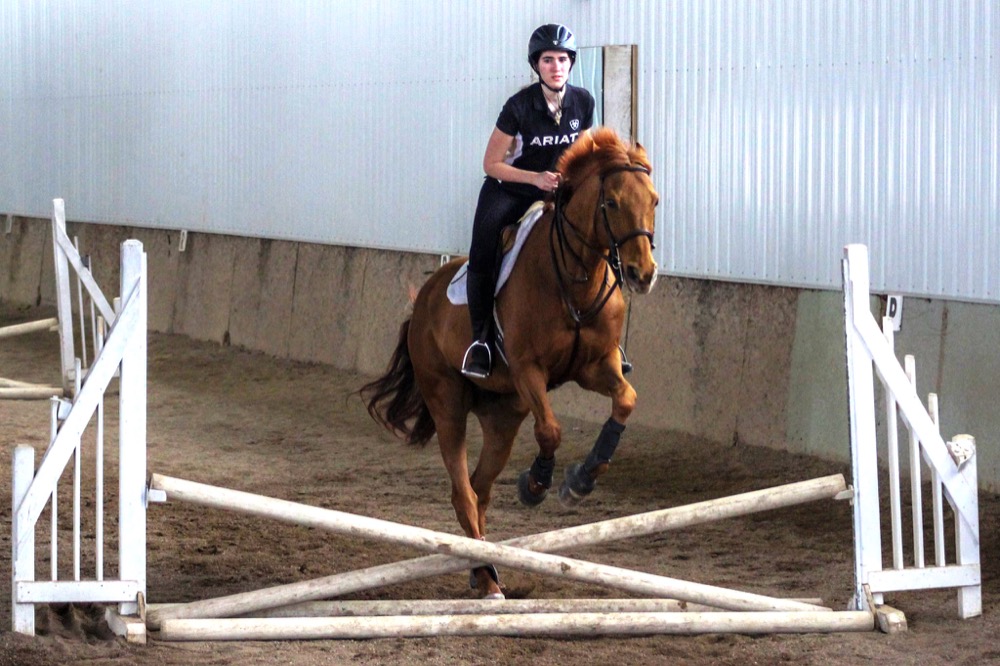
790, 129
779, 130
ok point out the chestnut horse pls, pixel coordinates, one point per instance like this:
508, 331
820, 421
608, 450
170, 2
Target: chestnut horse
561, 314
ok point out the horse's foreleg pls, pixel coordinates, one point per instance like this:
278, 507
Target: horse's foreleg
581, 477
534, 483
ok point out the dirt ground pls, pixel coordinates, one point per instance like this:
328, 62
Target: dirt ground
296, 431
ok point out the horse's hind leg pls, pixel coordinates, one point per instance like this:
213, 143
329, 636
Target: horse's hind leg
464, 499
500, 420
451, 439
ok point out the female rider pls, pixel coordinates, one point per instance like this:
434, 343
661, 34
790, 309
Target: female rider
534, 128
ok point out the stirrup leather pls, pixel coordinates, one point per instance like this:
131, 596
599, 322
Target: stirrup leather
475, 372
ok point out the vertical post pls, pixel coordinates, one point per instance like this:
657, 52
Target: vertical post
95, 323
99, 471
970, 598
22, 558
861, 412
916, 494
79, 304
99, 494
77, 482
76, 511
132, 430
54, 502
892, 443
63, 303
937, 492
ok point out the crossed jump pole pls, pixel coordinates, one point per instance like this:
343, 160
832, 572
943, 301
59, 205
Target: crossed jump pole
12, 389
741, 612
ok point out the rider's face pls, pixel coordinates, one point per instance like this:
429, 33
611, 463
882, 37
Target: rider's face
553, 68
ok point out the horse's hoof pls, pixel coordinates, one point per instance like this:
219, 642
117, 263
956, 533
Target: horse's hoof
494, 575
577, 485
524, 493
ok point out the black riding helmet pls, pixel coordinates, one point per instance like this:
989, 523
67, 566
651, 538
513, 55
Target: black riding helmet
551, 37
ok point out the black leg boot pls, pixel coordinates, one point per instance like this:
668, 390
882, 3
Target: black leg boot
478, 361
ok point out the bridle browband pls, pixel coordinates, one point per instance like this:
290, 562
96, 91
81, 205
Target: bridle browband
558, 237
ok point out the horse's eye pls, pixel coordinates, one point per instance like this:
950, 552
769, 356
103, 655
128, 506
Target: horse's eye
611, 203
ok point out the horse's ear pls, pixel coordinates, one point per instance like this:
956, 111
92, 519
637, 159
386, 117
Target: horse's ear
638, 154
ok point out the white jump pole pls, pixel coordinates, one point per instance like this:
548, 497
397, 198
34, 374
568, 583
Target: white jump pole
536, 624
12, 389
574, 537
28, 327
14, 383
471, 549
367, 608
30, 392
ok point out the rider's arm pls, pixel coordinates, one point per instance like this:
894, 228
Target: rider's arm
495, 166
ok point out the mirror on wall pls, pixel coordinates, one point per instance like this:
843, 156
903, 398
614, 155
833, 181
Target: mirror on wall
608, 72
588, 72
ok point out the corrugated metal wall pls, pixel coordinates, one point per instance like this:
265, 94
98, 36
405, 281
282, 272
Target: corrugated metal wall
793, 128
779, 130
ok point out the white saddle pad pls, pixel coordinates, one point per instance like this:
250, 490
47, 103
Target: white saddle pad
456, 289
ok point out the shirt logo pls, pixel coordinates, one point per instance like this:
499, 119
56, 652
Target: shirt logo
555, 140
574, 124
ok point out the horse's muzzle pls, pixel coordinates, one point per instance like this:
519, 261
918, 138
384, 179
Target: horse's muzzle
640, 281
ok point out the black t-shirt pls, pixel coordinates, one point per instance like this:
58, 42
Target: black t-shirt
538, 140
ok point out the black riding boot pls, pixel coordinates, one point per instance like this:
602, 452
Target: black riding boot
478, 361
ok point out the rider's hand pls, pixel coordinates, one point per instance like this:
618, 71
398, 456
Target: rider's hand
546, 181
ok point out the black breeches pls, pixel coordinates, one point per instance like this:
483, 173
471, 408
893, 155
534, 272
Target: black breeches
496, 209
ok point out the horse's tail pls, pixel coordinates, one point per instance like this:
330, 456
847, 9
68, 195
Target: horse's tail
394, 401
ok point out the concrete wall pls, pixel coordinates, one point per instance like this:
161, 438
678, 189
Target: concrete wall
736, 363
329, 304
711, 359
955, 347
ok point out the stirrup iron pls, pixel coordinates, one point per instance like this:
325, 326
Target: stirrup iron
476, 373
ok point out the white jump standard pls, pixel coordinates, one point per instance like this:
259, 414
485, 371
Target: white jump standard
119, 350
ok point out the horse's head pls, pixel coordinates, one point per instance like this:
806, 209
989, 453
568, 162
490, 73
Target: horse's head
614, 178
